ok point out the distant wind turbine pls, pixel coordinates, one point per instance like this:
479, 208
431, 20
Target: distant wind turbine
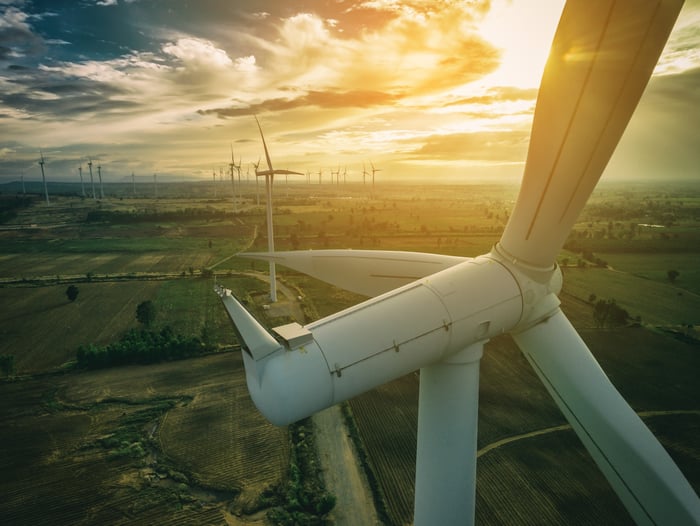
374, 170
82, 184
231, 166
364, 174
99, 176
92, 179
257, 186
43, 177
440, 322
269, 175
133, 184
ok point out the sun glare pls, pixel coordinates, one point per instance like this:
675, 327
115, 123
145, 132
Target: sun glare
523, 32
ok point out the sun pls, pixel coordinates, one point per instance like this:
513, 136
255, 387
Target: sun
523, 32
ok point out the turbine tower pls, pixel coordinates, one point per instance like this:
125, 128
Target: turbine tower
133, 184
99, 176
439, 323
269, 175
257, 186
231, 166
82, 184
43, 177
374, 170
92, 179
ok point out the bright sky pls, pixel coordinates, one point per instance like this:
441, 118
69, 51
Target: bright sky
429, 89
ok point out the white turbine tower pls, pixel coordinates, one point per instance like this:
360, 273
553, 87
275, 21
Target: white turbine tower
269, 175
231, 166
43, 177
257, 186
374, 170
82, 184
601, 59
99, 176
92, 179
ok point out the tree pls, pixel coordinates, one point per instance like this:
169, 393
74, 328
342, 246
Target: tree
609, 313
72, 292
146, 313
673, 275
7, 364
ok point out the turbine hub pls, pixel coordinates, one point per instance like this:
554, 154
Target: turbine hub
539, 287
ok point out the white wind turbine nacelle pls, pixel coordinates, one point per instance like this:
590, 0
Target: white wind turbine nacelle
602, 57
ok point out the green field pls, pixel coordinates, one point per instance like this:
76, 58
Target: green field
178, 442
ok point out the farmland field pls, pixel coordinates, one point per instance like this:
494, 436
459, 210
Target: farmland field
165, 444
180, 442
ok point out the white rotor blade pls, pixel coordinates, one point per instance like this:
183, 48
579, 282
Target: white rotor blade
603, 54
650, 485
368, 272
267, 155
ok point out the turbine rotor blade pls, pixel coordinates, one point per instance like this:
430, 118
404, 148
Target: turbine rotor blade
602, 57
650, 485
368, 272
267, 155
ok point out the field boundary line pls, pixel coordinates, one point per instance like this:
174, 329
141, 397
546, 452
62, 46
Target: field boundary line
565, 427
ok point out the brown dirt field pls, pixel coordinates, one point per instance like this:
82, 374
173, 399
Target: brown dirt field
71, 456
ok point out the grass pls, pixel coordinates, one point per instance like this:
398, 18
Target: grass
655, 267
657, 303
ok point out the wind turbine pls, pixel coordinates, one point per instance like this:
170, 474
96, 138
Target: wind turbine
364, 174
238, 170
374, 170
133, 184
43, 177
257, 186
269, 175
599, 65
99, 176
92, 180
82, 184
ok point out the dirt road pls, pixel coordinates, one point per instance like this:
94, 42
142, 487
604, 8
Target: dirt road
342, 472
339, 461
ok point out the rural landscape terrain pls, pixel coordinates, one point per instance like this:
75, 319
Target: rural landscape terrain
122, 389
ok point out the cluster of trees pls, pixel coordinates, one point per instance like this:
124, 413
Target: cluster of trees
303, 499
141, 346
188, 214
607, 313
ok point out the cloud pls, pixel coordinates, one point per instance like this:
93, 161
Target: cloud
497, 146
319, 99
17, 38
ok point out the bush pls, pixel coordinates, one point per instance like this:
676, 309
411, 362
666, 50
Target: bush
141, 347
